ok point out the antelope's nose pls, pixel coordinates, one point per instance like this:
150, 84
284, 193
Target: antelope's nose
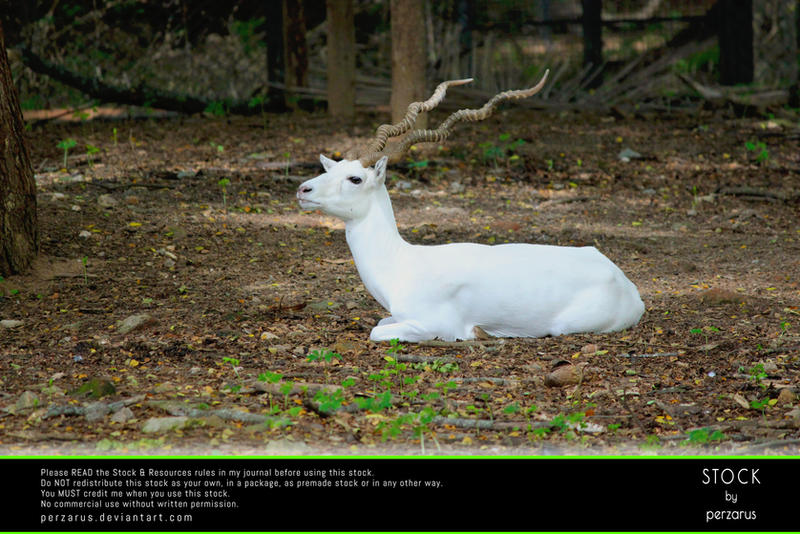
304, 190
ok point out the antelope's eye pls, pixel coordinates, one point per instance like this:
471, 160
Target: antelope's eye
354, 180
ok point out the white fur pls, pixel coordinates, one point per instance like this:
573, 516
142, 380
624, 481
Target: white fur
445, 291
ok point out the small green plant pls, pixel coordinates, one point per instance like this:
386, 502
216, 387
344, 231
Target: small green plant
114, 135
219, 148
90, 150
759, 148
328, 402
703, 436
375, 404
756, 374
323, 355
269, 377
761, 405
216, 108
418, 166
65, 145
234, 363
223, 184
785, 327
418, 423
288, 157
704, 332
394, 347
246, 30
652, 441
503, 150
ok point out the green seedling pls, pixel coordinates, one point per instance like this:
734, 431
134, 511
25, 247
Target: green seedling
503, 150
216, 108
91, 149
394, 347
704, 332
756, 374
652, 441
760, 148
418, 423
761, 405
288, 158
703, 436
65, 145
375, 404
223, 184
785, 327
234, 362
323, 355
114, 136
418, 166
328, 402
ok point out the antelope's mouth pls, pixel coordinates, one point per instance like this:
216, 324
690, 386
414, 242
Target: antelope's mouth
309, 204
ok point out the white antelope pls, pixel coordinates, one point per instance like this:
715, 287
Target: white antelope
454, 291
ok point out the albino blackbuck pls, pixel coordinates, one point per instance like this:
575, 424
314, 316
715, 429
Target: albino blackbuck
457, 291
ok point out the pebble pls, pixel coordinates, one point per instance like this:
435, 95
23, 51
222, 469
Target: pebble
626, 154
133, 322
107, 201
770, 367
565, 375
164, 387
85, 234
786, 396
157, 425
27, 401
10, 323
96, 411
123, 415
457, 188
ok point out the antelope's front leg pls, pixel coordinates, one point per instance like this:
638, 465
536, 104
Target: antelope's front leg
411, 330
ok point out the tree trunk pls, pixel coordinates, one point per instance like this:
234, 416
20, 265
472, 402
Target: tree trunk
408, 57
735, 42
18, 231
593, 40
295, 49
341, 51
274, 38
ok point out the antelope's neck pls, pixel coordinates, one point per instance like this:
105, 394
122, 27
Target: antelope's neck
376, 245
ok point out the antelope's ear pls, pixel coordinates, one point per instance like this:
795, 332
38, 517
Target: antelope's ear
380, 169
327, 163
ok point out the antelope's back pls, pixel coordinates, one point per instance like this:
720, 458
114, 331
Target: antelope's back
527, 290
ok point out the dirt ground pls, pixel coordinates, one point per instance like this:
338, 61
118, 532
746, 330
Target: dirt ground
183, 302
